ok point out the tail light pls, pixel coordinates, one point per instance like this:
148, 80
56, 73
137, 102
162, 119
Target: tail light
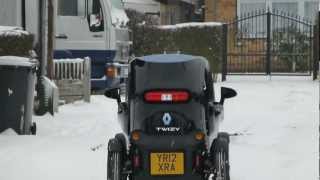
198, 161
136, 159
111, 72
166, 96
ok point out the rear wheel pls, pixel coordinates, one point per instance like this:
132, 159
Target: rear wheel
116, 159
220, 157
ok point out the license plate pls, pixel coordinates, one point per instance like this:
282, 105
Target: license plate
167, 163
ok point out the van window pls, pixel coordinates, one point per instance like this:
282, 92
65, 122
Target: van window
71, 7
95, 15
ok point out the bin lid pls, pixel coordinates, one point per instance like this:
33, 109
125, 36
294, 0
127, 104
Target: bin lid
16, 61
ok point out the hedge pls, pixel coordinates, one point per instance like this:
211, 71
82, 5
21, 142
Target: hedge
15, 42
201, 39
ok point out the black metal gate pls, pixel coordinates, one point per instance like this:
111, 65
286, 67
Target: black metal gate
268, 42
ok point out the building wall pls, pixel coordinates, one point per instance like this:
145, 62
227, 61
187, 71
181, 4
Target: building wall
220, 10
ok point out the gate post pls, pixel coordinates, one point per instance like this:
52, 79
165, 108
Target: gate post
268, 56
224, 51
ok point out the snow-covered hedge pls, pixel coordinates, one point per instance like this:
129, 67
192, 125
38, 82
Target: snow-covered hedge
203, 39
15, 41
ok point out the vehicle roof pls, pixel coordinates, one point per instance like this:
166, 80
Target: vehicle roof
169, 58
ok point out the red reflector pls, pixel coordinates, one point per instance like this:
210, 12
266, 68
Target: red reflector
166, 96
136, 161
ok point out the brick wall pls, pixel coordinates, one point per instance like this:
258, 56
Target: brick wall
220, 10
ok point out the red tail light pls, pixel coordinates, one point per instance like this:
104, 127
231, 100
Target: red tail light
136, 159
198, 161
166, 96
136, 162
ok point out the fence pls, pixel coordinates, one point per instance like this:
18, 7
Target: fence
72, 77
269, 42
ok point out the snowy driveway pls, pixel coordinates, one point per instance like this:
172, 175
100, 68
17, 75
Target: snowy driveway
277, 121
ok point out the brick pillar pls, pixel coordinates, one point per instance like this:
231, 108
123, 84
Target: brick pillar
220, 10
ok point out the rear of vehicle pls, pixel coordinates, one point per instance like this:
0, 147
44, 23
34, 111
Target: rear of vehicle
171, 117
167, 117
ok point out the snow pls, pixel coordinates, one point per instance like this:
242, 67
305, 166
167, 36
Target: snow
9, 132
75, 60
277, 121
192, 24
118, 15
15, 61
12, 31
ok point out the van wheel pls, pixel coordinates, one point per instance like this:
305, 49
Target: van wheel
116, 159
220, 157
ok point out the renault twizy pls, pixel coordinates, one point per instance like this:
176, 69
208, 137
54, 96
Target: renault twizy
170, 121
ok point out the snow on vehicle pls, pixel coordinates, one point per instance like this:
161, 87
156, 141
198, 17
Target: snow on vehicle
171, 119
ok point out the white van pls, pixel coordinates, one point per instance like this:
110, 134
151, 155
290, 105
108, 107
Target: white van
83, 28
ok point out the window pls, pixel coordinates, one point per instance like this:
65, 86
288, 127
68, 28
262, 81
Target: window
68, 8
95, 15
310, 10
286, 7
253, 27
290, 8
94, 7
246, 8
71, 7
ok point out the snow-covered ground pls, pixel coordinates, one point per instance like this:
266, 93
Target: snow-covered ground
277, 121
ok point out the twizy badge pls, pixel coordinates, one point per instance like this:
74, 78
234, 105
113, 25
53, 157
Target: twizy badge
166, 119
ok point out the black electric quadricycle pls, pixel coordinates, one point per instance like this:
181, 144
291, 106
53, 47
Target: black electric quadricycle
170, 121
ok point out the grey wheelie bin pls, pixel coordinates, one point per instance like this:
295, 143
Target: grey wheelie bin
17, 84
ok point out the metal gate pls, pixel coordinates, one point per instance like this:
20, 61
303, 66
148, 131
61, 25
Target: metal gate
268, 42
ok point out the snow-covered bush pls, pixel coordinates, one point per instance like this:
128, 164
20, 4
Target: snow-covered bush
14, 41
203, 39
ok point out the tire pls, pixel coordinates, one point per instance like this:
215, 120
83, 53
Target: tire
220, 156
116, 158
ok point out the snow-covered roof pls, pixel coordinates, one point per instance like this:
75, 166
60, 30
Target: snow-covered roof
12, 31
192, 24
15, 61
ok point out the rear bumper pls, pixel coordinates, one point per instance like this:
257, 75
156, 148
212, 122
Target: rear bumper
186, 144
